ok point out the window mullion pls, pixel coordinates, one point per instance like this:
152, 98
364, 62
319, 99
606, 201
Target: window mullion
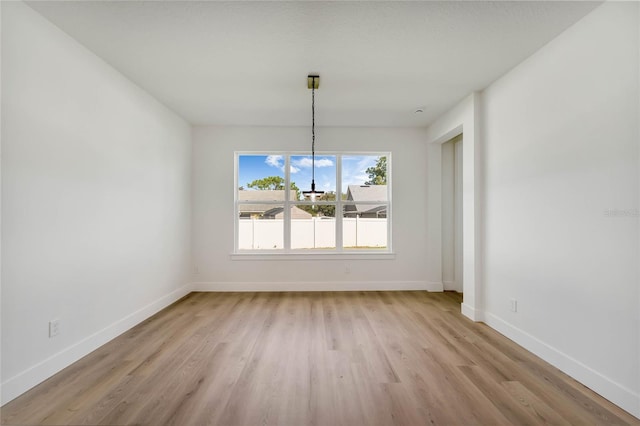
287, 204
236, 207
389, 202
338, 212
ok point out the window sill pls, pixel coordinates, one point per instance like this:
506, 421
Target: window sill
313, 256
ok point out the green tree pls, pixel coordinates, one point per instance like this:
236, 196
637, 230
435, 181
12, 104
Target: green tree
378, 173
329, 211
320, 209
272, 183
294, 186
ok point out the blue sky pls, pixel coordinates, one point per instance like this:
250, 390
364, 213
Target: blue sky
252, 167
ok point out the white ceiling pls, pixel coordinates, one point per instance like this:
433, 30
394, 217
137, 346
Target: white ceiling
245, 63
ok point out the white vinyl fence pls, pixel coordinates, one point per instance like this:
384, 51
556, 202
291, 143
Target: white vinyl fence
265, 234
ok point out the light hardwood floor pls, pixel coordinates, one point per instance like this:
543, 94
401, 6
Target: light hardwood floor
353, 358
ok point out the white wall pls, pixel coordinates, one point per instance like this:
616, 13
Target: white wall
213, 186
95, 201
560, 136
558, 150
1, 394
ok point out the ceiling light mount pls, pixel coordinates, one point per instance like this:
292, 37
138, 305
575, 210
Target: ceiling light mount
313, 81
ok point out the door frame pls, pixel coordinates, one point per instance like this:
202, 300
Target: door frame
463, 120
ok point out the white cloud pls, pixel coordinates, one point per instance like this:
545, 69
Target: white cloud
366, 162
274, 160
306, 162
361, 179
303, 162
324, 162
355, 171
294, 169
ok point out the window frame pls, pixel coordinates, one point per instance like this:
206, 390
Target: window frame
287, 253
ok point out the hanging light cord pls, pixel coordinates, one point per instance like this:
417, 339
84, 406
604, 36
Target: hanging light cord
313, 193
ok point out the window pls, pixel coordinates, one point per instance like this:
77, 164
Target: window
353, 215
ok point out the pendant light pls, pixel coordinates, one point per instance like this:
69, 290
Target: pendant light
313, 82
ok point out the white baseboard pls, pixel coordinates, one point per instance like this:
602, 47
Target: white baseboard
435, 286
607, 388
472, 313
452, 286
317, 286
22, 382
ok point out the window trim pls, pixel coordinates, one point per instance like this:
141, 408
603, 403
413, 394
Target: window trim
273, 255
339, 252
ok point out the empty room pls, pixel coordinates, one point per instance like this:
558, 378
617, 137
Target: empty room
320, 213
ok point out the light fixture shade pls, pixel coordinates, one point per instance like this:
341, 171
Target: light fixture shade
313, 195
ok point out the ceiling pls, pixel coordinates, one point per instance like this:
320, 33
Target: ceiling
245, 63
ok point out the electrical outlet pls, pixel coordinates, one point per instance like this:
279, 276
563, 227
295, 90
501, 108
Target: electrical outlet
54, 327
514, 305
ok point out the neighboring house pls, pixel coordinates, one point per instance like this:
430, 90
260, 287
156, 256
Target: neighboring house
278, 213
259, 197
358, 193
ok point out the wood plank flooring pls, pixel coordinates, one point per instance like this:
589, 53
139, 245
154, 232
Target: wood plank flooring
352, 358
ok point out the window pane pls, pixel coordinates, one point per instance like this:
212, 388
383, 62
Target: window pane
261, 227
364, 231
325, 173
368, 172
261, 178
313, 227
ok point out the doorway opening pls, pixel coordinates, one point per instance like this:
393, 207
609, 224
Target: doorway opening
452, 277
